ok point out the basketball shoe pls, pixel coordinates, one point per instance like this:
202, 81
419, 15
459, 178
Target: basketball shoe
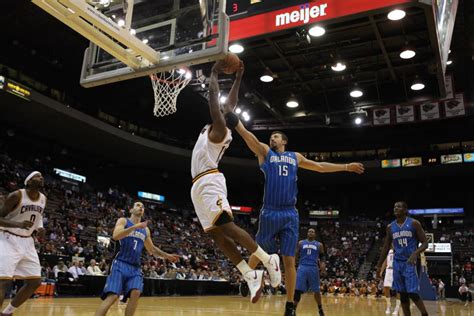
254, 281
273, 268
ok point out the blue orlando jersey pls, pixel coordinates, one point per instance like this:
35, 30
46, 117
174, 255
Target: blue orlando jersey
280, 171
309, 253
405, 241
131, 247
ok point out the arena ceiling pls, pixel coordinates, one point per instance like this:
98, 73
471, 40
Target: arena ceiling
48, 51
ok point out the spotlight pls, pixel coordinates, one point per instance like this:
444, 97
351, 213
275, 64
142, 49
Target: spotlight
222, 99
449, 62
358, 116
417, 85
292, 103
339, 66
267, 76
317, 31
356, 92
133, 32
246, 116
238, 110
236, 48
203, 85
396, 15
407, 54
145, 41
358, 121
121, 23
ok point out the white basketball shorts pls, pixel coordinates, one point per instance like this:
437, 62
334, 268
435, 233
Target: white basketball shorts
209, 196
388, 280
19, 257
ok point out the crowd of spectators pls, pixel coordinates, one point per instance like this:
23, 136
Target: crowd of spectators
79, 225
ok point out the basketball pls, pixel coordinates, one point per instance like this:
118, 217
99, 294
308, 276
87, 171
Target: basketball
231, 64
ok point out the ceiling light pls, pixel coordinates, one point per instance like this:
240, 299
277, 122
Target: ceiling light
246, 116
165, 57
145, 41
358, 120
188, 75
356, 92
317, 31
222, 99
449, 62
417, 85
339, 66
396, 15
292, 104
133, 32
203, 85
238, 110
407, 54
121, 23
267, 76
236, 48
449, 52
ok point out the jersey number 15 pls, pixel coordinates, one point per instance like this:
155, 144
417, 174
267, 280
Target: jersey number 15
283, 170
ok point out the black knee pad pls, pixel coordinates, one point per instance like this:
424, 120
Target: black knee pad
404, 298
297, 296
414, 297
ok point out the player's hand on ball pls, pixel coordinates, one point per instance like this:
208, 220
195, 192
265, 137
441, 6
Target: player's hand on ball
356, 167
142, 224
241, 70
218, 66
25, 224
172, 257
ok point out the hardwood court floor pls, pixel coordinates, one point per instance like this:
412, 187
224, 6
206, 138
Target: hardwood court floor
229, 306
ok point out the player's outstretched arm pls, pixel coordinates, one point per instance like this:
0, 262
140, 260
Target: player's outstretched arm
421, 236
219, 129
9, 205
258, 148
157, 252
121, 232
385, 250
233, 96
325, 167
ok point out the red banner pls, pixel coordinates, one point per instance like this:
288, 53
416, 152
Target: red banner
298, 15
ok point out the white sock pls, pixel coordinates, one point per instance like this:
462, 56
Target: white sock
243, 267
398, 304
389, 304
262, 255
9, 309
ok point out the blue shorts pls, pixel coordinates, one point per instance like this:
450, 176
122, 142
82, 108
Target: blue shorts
278, 230
405, 277
307, 278
123, 278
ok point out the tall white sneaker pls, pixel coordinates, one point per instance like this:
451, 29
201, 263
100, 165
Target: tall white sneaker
387, 311
395, 312
274, 271
254, 281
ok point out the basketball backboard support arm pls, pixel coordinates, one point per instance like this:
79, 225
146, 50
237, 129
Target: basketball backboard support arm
100, 29
131, 55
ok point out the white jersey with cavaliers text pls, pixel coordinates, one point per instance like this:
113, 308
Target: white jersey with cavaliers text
206, 154
27, 210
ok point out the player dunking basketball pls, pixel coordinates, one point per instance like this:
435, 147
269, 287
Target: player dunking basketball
405, 233
125, 276
209, 191
310, 253
279, 217
21, 215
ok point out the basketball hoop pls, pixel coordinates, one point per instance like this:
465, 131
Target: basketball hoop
167, 86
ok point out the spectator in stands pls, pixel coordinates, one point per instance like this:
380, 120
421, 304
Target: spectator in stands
153, 273
465, 294
441, 290
75, 270
60, 267
93, 269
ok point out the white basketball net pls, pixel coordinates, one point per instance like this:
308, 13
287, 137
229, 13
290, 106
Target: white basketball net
167, 86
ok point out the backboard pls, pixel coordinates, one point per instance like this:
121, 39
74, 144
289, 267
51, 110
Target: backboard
135, 38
